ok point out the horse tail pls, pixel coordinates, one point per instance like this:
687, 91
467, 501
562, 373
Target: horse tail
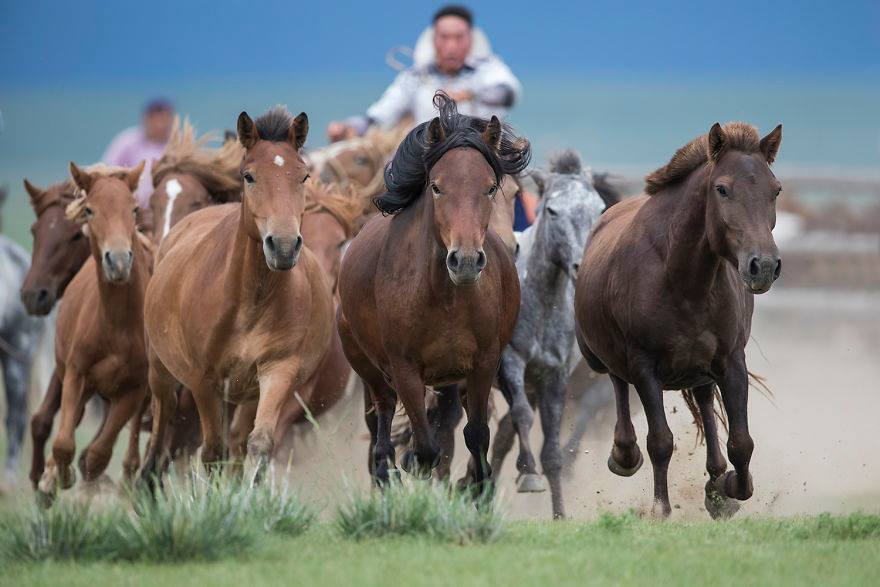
717, 407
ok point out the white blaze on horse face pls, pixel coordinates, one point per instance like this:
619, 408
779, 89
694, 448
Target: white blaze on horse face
279, 160
172, 189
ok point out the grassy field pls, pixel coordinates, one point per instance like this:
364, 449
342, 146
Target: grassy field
623, 549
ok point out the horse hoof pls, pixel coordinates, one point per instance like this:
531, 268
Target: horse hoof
530, 483
719, 506
623, 471
410, 464
45, 499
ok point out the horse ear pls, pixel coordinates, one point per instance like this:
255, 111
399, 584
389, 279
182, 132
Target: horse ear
299, 130
716, 142
770, 144
539, 176
436, 134
81, 179
134, 176
247, 131
33, 191
492, 134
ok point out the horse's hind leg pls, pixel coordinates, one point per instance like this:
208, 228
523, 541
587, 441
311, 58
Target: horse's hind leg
717, 504
131, 462
41, 426
162, 387
735, 393
625, 458
122, 409
660, 442
550, 405
15, 380
511, 379
241, 426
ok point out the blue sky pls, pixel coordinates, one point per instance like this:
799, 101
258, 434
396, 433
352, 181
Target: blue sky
98, 41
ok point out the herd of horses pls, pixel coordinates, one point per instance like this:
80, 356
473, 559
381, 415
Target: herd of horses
262, 277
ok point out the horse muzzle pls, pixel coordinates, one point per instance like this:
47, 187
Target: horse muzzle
760, 271
38, 301
117, 265
465, 268
282, 252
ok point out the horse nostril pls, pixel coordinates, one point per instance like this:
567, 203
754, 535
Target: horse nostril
42, 295
576, 267
298, 244
481, 260
754, 267
778, 270
452, 260
107, 258
270, 243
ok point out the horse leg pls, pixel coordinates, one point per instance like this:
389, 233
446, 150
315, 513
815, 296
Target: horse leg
587, 407
476, 431
424, 454
625, 458
502, 444
41, 426
58, 470
275, 387
242, 424
511, 379
444, 418
15, 380
717, 504
550, 405
660, 442
121, 411
735, 394
164, 401
131, 462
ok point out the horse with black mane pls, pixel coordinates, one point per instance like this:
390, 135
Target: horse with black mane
665, 294
429, 295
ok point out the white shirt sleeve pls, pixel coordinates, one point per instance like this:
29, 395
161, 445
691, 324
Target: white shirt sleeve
396, 101
493, 73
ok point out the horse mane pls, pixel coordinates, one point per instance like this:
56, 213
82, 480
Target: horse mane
566, 162
407, 175
274, 125
76, 208
217, 169
341, 202
738, 136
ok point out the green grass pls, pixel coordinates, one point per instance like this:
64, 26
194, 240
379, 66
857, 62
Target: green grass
612, 550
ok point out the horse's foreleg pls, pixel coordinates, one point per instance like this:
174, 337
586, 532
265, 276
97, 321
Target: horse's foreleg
625, 458
476, 431
275, 386
131, 462
424, 454
41, 426
239, 429
660, 441
443, 418
551, 403
15, 380
511, 379
58, 470
735, 393
717, 503
164, 401
121, 411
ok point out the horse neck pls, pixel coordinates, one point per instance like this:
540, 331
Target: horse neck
691, 264
541, 271
123, 303
249, 279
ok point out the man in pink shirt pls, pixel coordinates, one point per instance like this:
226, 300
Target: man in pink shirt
144, 142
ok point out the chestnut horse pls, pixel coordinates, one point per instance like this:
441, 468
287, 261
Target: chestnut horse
429, 295
237, 308
664, 300
99, 343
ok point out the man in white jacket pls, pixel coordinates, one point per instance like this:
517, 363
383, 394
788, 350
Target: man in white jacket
479, 82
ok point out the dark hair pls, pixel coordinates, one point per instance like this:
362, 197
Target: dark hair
274, 125
406, 177
158, 105
458, 10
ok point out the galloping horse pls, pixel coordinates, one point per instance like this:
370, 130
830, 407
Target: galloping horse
664, 300
237, 308
99, 344
541, 355
429, 295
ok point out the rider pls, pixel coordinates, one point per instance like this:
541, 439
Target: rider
481, 85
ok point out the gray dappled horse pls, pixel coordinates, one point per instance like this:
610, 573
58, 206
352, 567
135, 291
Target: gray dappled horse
542, 353
19, 337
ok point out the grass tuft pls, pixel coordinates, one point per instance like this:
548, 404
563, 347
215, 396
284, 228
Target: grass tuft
435, 511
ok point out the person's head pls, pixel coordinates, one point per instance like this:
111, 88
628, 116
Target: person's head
158, 119
452, 37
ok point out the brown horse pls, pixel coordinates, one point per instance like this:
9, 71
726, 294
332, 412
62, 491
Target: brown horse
191, 176
664, 300
429, 296
237, 308
99, 344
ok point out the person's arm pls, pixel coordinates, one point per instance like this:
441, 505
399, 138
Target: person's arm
496, 84
387, 111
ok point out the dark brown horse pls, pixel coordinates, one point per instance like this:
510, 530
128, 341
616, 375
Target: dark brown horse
664, 300
429, 295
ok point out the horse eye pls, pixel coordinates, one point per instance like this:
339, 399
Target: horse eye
88, 211
435, 189
248, 177
721, 190
135, 210
306, 177
779, 191
552, 212
492, 191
